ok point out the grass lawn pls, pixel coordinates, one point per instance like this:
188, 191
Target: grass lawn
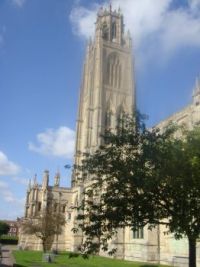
34, 259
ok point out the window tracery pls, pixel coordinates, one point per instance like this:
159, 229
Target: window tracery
105, 31
108, 119
113, 72
114, 30
120, 118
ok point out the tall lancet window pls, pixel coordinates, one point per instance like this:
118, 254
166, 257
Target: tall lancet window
108, 119
114, 30
113, 71
120, 118
105, 31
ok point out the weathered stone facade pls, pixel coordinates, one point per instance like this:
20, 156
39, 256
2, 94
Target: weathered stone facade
107, 91
107, 85
38, 197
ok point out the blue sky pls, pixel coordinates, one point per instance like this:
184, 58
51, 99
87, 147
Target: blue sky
42, 46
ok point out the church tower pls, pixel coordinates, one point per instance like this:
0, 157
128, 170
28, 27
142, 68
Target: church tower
107, 88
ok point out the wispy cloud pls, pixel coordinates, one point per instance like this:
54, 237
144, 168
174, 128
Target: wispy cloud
83, 20
7, 167
12, 206
20, 180
159, 27
7, 195
1, 39
18, 3
195, 4
3, 184
2, 35
55, 142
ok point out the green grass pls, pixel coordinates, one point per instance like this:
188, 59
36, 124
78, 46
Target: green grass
34, 259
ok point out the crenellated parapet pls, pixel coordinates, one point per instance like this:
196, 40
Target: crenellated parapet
38, 196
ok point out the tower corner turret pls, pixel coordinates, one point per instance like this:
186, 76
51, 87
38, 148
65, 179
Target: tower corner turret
45, 182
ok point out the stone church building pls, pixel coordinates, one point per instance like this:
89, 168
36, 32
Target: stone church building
107, 90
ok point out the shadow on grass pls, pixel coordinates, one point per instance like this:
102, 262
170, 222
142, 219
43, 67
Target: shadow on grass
149, 265
31, 265
73, 255
19, 265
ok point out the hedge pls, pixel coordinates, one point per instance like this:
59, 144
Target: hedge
9, 240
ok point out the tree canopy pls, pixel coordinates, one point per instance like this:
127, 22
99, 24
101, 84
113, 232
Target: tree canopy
142, 177
45, 226
4, 228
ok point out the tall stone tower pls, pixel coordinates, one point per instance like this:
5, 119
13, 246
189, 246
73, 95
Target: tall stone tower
107, 88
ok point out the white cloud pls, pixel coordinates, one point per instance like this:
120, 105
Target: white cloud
7, 195
3, 184
1, 39
20, 180
83, 20
7, 167
155, 25
2, 35
55, 142
195, 4
18, 3
11, 206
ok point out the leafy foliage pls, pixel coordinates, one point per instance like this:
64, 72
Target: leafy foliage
141, 177
4, 228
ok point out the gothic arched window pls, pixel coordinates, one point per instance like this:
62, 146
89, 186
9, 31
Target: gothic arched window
55, 207
108, 119
113, 73
63, 208
114, 30
39, 206
105, 31
120, 118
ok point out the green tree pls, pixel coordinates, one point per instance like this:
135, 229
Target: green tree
45, 226
178, 182
142, 177
4, 228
